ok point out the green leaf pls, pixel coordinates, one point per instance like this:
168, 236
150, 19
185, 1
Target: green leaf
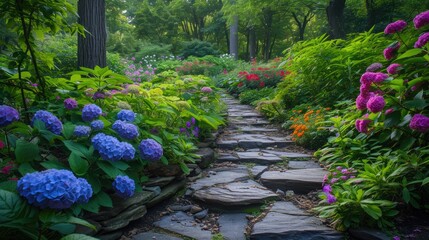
416, 103
407, 143
77, 236
14, 210
392, 119
77, 164
406, 195
63, 228
425, 181
77, 148
75, 77
110, 170
53, 165
410, 53
68, 130
372, 210
184, 168
26, 151
103, 199
120, 165
25, 168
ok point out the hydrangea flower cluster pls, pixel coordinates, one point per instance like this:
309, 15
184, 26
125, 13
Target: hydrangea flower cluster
97, 125
391, 50
150, 150
190, 129
126, 115
365, 95
8, 115
419, 123
374, 67
421, 19
129, 151
70, 103
82, 131
52, 123
362, 125
395, 27
109, 148
124, 186
54, 189
91, 112
423, 39
338, 175
376, 103
206, 90
125, 130
393, 68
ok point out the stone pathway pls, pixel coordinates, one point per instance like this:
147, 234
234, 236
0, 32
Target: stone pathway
256, 165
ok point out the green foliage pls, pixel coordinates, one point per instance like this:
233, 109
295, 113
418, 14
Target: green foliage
252, 96
198, 48
151, 49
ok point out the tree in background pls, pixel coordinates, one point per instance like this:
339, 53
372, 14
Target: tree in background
335, 13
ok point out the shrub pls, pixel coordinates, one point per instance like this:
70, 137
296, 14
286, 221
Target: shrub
198, 48
252, 96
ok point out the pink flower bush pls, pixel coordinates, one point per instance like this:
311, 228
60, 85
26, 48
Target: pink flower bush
362, 125
421, 19
391, 50
206, 90
419, 123
423, 39
374, 67
361, 101
393, 68
376, 104
395, 27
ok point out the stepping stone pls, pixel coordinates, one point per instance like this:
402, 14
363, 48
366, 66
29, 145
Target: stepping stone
235, 194
167, 192
258, 157
301, 181
154, 236
369, 234
232, 226
302, 164
293, 155
158, 181
249, 122
256, 171
227, 144
286, 221
207, 157
244, 114
256, 130
182, 224
220, 177
226, 157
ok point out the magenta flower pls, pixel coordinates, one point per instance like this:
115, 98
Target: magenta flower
362, 125
393, 68
330, 198
367, 78
380, 77
362, 100
374, 67
376, 104
395, 27
423, 39
421, 19
206, 90
364, 89
327, 188
419, 123
390, 51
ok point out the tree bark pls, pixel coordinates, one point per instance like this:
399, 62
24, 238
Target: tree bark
92, 47
335, 14
252, 43
233, 37
371, 12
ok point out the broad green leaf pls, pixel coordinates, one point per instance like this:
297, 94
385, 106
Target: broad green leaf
372, 210
75, 77
410, 53
103, 199
418, 104
53, 165
77, 236
406, 195
120, 165
26, 151
14, 210
77, 148
110, 170
78, 165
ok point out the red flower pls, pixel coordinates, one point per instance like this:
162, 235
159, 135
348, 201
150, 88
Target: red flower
240, 84
261, 84
252, 77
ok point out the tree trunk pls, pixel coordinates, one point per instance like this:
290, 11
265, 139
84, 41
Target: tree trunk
233, 38
252, 43
91, 50
335, 13
371, 12
268, 17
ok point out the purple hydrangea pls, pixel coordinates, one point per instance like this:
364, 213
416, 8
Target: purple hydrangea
374, 67
54, 189
395, 27
367, 78
97, 125
8, 115
109, 148
365, 89
330, 198
361, 101
82, 131
419, 123
52, 123
91, 112
124, 186
126, 115
206, 90
380, 77
393, 68
376, 104
150, 150
327, 188
421, 19
70, 103
125, 130
362, 125
98, 95
391, 50
423, 39
129, 151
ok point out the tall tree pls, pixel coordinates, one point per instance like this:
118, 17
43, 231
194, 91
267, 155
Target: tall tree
335, 13
233, 37
92, 47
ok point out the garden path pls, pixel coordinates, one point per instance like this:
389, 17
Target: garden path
256, 165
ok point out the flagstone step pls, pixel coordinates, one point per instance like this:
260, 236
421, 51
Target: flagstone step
247, 141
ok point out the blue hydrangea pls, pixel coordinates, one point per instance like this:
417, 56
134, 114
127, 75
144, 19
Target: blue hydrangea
97, 125
82, 131
54, 189
125, 130
129, 151
91, 112
126, 115
8, 115
124, 186
109, 148
52, 123
150, 150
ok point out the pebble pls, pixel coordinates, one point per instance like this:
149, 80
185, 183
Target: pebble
201, 215
195, 209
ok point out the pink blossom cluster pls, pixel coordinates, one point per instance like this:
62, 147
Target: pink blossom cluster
395, 27
362, 125
367, 99
423, 39
206, 89
391, 50
419, 123
393, 68
421, 19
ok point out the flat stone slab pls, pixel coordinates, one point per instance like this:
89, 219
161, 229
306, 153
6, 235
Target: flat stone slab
183, 224
167, 192
226, 157
244, 114
302, 164
258, 157
252, 141
235, 194
256, 171
227, 144
232, 226
293, 155
300, 181
256, 130
153, 236
286, 221
248, 122
220, 177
